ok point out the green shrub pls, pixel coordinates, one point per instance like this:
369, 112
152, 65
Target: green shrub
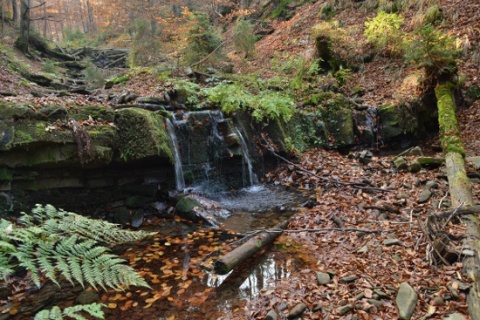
266, 105
49, 67
244, 38
328, 10
74, 38
384, 32
433, 50
94, 77
388, 6
145, 47
433, 15
202, 40
335, 45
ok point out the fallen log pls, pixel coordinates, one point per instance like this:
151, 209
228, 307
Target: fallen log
237, 256
460, 189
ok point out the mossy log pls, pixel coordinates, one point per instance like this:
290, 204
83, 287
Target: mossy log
240, 254
460, 189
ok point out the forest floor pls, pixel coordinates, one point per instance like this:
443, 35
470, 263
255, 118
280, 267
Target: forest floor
372, 236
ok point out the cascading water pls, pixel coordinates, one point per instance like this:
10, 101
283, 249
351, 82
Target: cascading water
246, 158
180, 180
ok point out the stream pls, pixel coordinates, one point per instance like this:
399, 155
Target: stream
173, 264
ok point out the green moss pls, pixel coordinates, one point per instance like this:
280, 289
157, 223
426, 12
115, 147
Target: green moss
141, 134
6, 175
449, 132
98, 113
121, 79
186, 205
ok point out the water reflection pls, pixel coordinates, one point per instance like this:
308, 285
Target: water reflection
246, 284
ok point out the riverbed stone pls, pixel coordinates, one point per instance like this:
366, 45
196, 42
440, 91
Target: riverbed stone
271, 315
297, 310
381, 294
406, 301
323, 278
375, 302
400, 163
475, 161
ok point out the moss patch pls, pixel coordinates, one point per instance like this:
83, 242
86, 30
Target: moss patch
449, 132
141, 134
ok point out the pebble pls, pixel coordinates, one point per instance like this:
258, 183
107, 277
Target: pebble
391, 242
271, 315
344, 309
297, 310
323, 278
348, 279
406, 301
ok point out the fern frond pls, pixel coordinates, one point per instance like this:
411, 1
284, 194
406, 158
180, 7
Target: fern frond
76, 269
94, 310
5, 268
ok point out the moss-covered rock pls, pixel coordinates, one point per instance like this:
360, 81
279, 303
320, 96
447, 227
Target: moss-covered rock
397, 121
141, 134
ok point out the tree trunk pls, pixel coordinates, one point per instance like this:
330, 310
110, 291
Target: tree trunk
460, 189
23, 40
91, 20
14, 11
237, 256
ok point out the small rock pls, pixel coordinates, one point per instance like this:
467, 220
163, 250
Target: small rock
359, 296
406, 301
363, 249
375, 302
400, 163
438, 301
271, 315
344, 309
391, 242
323, 278
402, 196
425, 195
415, 166
297, 310
455, 316
453, 292
317, 307
381, 294
431, 184
348, 279
475, 161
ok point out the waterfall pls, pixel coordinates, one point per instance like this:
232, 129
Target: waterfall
180, 181
243, 145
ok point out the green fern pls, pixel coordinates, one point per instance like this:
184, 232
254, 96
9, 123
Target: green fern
94, 310
64, 245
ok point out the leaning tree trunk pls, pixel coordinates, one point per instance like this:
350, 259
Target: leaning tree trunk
460, 189
23, 40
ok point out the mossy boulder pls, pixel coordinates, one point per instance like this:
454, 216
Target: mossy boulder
397, 121
141, 134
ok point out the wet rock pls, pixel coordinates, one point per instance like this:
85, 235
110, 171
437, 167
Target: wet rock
429, 162
4, 292
400, 163
343, 310
406, 301
137, 219
87, 297
121, 215
323, 278
364, 156
391, 242
271, 315
455, 316
424, 196
348, 279
297, 310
